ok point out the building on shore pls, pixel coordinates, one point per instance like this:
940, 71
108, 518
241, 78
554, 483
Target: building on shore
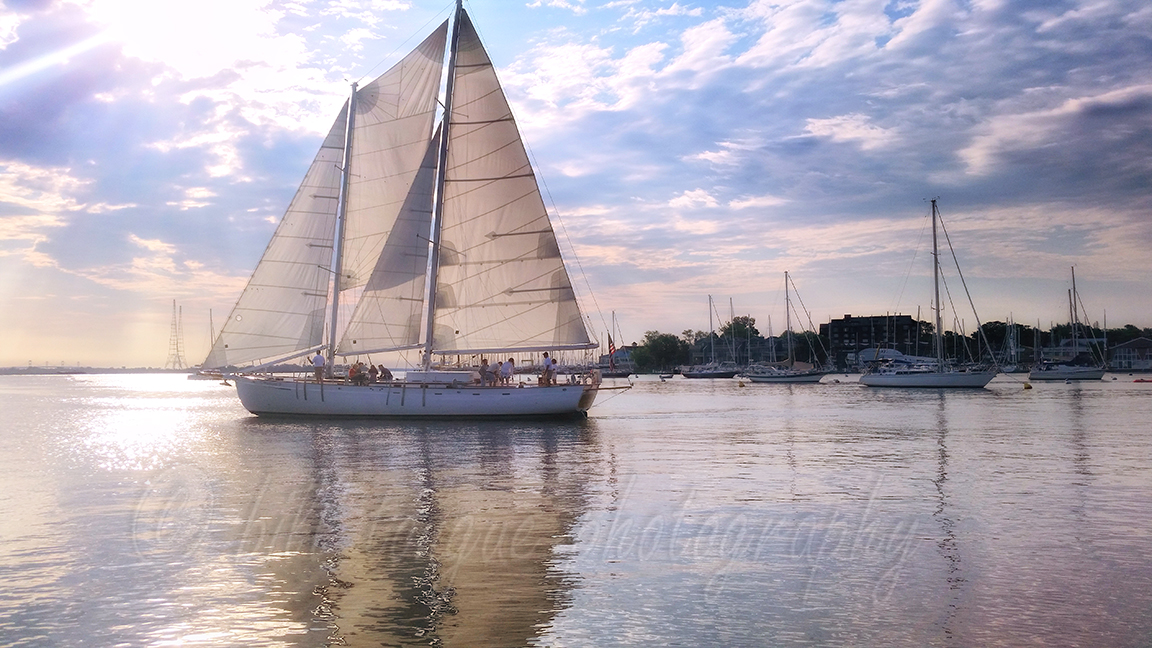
1133, 355
850, 335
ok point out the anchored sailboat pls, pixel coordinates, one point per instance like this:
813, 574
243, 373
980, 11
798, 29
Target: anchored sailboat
712, 369
436, 241
939, 374
1093, 370
792, 374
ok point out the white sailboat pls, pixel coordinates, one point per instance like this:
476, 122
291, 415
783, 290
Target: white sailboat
939, 374
1044, 370
791, 374
436, 241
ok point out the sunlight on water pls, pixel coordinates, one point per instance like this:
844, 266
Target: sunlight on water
152, 510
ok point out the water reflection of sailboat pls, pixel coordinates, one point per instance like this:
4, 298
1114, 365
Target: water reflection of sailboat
948, 543
451, 539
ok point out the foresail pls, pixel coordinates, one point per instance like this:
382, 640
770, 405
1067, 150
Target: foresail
281, 310
388, 314
391, 129
501, 281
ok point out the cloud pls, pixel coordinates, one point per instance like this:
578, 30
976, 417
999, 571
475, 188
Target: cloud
1113, 117
194, 197
851, 128
8, 24
703, 50
757, 202
41, 189
567, 81
577, 7
21, 234
928, 16
639, 17
694, 198
161, 268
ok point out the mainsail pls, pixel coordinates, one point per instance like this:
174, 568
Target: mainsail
500, 282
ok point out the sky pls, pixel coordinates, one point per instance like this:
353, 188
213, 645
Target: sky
686, 150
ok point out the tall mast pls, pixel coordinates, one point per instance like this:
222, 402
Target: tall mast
917, 351
788, 321
711, 337
1074, 312
338, 242
441, 172
939, 336
772, 343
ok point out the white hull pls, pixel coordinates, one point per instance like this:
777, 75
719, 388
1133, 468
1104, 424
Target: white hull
272, 396
1061, 372
929, 379
788, 377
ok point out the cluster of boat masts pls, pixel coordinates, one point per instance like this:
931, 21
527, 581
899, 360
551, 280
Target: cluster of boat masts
895, 370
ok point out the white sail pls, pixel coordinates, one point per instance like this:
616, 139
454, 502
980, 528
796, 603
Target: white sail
387, 317
391, 129
501, 282
282, 308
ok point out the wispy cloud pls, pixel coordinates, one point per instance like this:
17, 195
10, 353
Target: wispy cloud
577, 6
851, 128
1031, 132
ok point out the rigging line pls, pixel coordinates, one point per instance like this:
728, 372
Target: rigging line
423, 29
979, 326
719, 319
959, 331
911, 264
575, 257
811, 325
1094, 348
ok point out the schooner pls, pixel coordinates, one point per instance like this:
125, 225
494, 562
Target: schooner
434, 235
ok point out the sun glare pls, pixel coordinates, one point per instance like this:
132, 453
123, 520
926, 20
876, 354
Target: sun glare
195, 38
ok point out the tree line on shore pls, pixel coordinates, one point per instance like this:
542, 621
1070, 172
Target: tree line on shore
741, 342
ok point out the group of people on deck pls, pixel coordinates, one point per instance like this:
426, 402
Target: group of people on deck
361, 374
499, 374
358, 373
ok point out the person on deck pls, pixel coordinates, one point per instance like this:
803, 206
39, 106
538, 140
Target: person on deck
318, 365
506, 371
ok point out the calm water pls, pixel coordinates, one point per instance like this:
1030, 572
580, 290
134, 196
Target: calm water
152, 510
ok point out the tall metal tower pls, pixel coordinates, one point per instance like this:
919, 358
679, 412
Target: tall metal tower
176, 340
